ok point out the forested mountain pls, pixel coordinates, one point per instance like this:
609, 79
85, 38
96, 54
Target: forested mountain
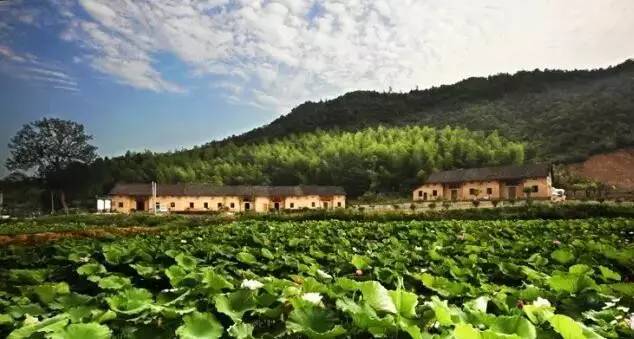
563, 115
370, 160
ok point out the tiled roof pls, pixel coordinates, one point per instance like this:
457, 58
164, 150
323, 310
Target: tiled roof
193, 189
515, 172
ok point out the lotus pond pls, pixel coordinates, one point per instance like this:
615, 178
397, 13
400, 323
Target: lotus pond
329, 279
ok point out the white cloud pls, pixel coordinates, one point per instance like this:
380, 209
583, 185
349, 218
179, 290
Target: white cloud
28, 67
278, 53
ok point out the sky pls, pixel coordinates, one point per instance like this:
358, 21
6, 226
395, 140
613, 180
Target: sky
166, 75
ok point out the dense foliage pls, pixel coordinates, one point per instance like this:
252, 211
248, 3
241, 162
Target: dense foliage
325, 279
80, 222
373, 159
563, 115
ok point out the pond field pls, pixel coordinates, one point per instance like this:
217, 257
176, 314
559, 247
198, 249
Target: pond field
566, 278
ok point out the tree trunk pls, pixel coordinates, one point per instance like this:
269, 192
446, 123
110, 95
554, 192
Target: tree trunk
52, 202
62, 198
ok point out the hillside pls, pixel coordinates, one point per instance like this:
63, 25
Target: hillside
563, 115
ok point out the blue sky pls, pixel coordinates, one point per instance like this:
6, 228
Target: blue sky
164, 75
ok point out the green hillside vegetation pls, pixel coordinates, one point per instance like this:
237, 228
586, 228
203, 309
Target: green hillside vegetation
563, 115
373, 159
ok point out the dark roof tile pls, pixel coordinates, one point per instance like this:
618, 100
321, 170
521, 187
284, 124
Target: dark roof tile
514, 172
199, 189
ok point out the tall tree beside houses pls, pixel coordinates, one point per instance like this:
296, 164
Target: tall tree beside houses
49, 147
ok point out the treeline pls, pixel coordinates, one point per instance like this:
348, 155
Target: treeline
370, 160
562, 115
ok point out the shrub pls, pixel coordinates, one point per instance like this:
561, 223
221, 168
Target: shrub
412, 207
446, 204
432, 205
511, 201
475, 203
495, 202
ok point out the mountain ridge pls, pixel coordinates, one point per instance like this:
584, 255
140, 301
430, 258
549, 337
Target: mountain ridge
548, 104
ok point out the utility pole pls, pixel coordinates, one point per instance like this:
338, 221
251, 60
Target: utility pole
154, 189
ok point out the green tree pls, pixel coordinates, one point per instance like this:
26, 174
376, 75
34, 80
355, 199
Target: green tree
527, 193
49, 147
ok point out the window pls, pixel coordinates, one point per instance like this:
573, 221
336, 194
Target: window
158, 206
420, 193
292, 205
247, 206
472, 191
219, 205
232, 205
206, 205
434, 193
172, 204
312, 204
120, 205
191, 205
489, 190
535, 188
339, 204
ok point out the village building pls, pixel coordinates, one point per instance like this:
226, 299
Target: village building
191, 197
488, 183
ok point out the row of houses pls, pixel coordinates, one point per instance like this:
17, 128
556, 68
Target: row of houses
194, 197
488, 183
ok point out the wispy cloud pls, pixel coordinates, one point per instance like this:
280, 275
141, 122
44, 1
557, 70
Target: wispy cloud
28, 67
276, 54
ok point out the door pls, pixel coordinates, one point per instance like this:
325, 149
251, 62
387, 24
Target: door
140, 205
276, 206
247, 206
454, 195
425, 196
325, 204
512, 192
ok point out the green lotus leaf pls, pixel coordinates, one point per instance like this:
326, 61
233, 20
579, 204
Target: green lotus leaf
247, 258
176, 274
91, 269
466, 331
214, 280
130, 301
49, 291
19, 311
562, 256
144, 270
377, 296
267, 254
365, 317
313, 321
571, 283
566, 327
5, 319
23, 276
445, 315
117, 254
83, 331
241, 330
235, 304
186, 261
405, 303
114, 282
360, 262
608, 274
442, 285
623, 288
199, 325
46, 325
514, 325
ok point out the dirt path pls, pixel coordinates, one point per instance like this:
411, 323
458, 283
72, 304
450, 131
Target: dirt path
36, 238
